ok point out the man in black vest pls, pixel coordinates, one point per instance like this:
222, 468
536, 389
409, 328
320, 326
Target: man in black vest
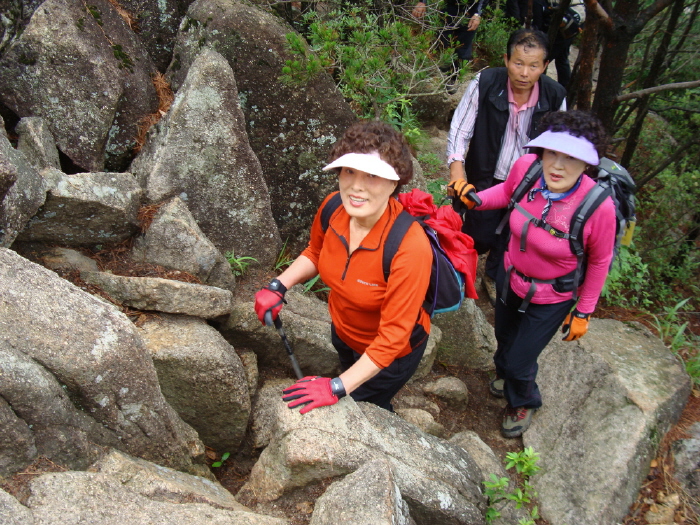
496, 117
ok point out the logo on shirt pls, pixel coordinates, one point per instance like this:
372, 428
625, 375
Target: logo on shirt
366, 283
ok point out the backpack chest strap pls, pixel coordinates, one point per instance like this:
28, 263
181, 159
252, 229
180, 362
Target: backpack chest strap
531, 219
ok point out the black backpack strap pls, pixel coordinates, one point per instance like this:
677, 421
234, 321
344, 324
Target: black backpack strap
529, 180
329, 209
393, 240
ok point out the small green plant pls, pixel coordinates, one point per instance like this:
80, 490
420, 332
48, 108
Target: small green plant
223, 459
627, 284
283, 259
498, 493
438, 189
239, 265
525, 462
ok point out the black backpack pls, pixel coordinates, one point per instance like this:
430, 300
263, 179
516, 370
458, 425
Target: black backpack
446, 290
612, 181
571, 24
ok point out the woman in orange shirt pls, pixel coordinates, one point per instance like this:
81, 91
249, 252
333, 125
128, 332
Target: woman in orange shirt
379, 327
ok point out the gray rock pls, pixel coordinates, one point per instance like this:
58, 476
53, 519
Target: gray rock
85, 72
439, 481
87, 208
89, 497
39, 419
99, 359
157, 21
426, 362
12, 512
37, 143
164, 484
64, 259
686, 460
306, 323
490, 466
467, 338
368, 495
202, 378
265, 408
22, 191
200, 152
608, 400
163, 295
290, 128
423, 420
450, 389
250, 365
174, 240
418, 402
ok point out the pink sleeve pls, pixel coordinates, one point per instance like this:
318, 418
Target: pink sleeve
499, 195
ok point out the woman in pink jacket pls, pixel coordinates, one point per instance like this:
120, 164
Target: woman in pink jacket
535, 283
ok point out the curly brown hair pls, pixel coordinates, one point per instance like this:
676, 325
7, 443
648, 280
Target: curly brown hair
367, 136
579, 124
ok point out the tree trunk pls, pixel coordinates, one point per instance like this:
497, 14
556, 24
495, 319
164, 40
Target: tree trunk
581, 84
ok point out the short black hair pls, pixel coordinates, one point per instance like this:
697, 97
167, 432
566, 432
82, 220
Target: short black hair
529, 38
579, 124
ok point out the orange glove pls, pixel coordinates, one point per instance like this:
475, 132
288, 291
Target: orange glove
466, 193
575, 325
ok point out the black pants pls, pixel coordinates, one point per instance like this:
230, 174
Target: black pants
560, 55
456, 34
521, 338
381, 389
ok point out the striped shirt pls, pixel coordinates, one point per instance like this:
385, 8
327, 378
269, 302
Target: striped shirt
514, 138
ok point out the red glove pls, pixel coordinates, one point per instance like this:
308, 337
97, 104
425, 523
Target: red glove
270, 299
312, 391
466, 192
575, 325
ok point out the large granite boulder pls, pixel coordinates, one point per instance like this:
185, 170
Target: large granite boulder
95, 497
86, 209
608, 400
467, 337
306, 323
174, 240
95, 356
86, 73
37, 143
202, 378
157, 22
22, 190
163, 295
438, 481
290, 128
200, 152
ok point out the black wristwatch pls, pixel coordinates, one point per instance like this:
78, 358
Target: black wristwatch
337, 388
275, 285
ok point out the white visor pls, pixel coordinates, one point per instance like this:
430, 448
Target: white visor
561, 141
367, 162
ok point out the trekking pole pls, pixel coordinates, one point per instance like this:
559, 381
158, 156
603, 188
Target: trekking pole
287, 346
472, 196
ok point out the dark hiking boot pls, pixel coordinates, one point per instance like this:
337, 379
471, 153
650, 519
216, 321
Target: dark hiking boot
516, 421
496, 387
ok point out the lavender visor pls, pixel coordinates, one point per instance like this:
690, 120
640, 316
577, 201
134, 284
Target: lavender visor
561, 141
367, 162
